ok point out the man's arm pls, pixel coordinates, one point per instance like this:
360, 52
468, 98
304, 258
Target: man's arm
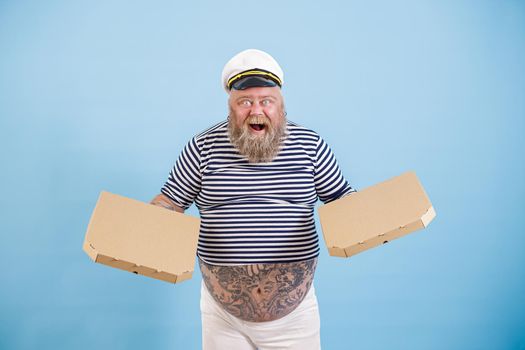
330, 183
162, 200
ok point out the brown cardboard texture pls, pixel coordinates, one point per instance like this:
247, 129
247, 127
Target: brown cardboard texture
142, 238
375, 215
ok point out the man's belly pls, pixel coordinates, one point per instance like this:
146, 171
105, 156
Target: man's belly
260, 292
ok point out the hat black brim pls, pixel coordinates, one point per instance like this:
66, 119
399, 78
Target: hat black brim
252, 81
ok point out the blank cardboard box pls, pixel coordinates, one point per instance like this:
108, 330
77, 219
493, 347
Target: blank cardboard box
142, 238
375, 215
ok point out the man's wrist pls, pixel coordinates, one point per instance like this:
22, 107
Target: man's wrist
162, 201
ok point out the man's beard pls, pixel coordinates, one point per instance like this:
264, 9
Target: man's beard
258, 148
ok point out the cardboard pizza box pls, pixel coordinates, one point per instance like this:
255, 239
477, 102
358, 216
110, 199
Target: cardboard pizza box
142, 238
375, 215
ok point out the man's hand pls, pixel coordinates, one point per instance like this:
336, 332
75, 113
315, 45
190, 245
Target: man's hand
163, 201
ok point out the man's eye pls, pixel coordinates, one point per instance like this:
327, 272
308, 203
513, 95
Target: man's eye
266, 102
246, 103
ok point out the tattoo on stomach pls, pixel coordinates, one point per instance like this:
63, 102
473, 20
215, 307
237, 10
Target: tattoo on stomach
259, 292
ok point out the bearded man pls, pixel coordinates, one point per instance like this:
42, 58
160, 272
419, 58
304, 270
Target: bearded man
255, 179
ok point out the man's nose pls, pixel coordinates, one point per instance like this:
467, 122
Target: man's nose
256, 109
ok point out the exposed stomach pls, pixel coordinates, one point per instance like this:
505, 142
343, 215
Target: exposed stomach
259, 292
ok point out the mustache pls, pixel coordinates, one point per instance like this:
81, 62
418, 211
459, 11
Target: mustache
257, 119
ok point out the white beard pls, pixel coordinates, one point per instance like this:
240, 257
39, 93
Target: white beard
258, 148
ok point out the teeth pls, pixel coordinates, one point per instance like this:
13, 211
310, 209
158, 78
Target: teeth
257, 120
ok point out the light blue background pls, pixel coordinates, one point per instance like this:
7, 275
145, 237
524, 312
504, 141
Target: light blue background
101, 95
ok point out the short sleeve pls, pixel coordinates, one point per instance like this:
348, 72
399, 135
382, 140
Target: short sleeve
184, 181
329, 181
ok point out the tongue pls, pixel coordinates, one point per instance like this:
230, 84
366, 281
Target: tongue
257, 127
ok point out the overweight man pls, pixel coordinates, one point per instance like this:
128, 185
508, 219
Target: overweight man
255, 178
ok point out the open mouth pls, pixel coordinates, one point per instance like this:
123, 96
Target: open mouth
258, 127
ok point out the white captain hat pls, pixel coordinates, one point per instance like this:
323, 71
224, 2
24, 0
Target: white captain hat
251, 68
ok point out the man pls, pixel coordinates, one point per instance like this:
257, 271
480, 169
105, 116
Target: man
255, 179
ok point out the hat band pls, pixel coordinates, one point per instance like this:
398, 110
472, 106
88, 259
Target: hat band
259, 72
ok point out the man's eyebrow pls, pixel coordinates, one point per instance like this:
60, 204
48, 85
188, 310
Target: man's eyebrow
252, 97
243, 97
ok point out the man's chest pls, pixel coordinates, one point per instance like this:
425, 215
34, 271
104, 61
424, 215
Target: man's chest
227, 176
230, 182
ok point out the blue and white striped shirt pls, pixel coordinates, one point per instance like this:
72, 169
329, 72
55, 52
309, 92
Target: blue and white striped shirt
256, 212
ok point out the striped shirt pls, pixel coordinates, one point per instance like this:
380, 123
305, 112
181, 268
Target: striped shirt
256, 212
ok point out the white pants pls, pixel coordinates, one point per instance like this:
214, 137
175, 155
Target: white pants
299, 330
